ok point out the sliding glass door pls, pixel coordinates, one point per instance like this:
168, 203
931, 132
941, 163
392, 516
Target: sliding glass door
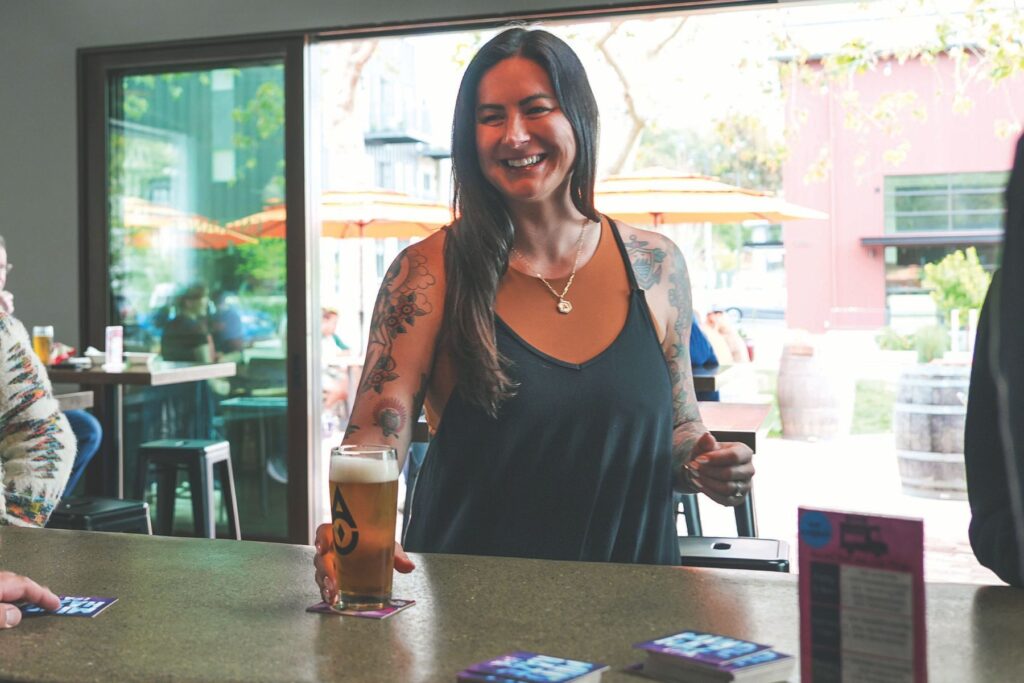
195, 243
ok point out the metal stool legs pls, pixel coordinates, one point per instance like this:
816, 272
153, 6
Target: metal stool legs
204, 462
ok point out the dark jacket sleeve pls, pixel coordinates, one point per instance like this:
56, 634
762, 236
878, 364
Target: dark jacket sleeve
992, 532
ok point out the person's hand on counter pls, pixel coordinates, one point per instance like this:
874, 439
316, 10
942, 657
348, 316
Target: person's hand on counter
15, 588
721, 470
324, 562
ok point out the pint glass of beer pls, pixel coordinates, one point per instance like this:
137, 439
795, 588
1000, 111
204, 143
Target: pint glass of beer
364, 499
42, 342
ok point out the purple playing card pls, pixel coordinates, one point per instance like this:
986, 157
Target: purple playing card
394, 606
71, 606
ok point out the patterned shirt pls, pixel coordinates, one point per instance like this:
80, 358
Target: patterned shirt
37, 447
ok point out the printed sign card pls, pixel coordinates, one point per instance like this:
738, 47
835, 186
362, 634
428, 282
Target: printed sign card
70, 606
861, 598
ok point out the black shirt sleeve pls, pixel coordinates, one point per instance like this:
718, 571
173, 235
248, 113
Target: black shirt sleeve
992, 531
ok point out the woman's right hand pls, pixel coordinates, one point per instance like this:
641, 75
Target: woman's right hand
325, 563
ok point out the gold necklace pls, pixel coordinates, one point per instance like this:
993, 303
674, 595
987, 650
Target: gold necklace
564, 306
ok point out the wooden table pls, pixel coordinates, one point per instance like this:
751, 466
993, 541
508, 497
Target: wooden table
156, 373
196, 609
75, 400
735, 421
740, 422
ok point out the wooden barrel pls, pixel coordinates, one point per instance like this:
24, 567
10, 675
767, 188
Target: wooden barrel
928, 425
811, 404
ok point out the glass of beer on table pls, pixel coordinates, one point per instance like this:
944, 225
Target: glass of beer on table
364, 500
42, 342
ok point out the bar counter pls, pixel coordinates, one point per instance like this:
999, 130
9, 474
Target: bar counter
196, 609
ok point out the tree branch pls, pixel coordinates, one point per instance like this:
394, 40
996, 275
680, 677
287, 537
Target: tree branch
638, 122
675, 32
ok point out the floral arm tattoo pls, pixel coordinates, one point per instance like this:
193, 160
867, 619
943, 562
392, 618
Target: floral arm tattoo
401, 301
654, 267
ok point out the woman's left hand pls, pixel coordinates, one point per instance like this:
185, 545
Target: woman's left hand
723, 471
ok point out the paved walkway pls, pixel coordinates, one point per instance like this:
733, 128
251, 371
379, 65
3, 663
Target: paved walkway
856, 473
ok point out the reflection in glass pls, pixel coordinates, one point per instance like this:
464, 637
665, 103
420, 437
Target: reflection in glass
190, 152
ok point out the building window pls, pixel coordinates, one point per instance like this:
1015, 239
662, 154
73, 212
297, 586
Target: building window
386, 175
944, 202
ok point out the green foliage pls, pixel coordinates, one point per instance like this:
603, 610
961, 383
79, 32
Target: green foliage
889, 339
262, 115
931, 342
739, 151
872, 407
263, 263
957, 282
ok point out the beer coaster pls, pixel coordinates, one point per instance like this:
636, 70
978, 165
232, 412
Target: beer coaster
394, 606
70, 606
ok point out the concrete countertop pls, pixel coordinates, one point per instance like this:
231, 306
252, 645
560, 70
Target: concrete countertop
196, 609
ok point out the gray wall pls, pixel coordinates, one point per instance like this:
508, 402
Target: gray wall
38, 144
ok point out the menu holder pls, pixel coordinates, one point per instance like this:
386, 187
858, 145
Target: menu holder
861, 597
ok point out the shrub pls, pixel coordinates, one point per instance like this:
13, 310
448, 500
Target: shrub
957, 282
931, 342
889, 339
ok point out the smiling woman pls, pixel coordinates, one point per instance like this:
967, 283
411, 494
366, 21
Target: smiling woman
525, 144
559, 392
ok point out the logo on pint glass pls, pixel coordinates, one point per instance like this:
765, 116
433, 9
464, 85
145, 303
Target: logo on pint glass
344, 525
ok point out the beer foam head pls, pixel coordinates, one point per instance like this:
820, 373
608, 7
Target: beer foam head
348, 468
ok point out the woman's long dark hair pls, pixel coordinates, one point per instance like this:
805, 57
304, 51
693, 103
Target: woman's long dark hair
477, 248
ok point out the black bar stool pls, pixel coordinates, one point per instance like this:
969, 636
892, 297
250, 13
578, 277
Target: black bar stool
198, 458
89, 513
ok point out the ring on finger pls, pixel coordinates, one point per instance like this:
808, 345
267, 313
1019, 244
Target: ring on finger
737, 489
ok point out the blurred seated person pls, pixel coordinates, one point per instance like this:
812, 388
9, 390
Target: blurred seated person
228, 333
15, 588
27, 397
37, 446
702, 355
994, 434
720, 323
334, 379
186, 336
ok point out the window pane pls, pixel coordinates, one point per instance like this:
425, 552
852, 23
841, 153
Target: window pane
922, 223
198, 265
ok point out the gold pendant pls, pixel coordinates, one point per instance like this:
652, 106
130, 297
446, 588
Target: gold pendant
564, 306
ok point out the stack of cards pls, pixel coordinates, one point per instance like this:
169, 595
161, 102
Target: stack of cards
696, 657
516, 667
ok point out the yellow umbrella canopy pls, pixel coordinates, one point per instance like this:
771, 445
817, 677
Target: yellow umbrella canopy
377, 213
656, 196
344, 214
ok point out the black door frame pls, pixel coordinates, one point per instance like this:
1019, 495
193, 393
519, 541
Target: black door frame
96, 70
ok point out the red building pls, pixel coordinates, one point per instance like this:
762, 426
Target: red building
909, 160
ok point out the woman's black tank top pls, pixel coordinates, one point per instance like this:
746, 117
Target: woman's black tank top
577, 465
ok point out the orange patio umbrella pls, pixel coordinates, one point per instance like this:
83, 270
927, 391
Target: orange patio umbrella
370, 213
367, 213
148, 223
656, 196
